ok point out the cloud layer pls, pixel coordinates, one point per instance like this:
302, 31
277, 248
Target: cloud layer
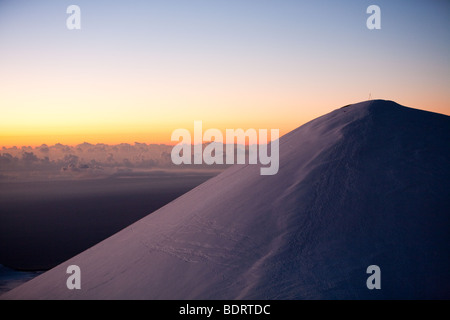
87, 161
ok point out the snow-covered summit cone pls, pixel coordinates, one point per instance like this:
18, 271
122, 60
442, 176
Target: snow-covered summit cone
367, 184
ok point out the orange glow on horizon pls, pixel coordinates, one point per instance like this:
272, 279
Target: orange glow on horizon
26, 134
157, 137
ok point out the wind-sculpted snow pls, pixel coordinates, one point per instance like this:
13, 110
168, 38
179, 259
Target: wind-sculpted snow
367, 184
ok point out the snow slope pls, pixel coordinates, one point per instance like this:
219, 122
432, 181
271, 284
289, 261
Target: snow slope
365, 184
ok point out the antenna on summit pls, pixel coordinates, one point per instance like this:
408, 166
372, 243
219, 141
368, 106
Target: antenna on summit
370, 96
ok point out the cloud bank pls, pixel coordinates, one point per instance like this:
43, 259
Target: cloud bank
87, 160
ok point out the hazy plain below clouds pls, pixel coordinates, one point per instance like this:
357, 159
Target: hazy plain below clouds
56, 201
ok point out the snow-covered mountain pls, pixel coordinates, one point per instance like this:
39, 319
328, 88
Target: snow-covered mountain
367, 184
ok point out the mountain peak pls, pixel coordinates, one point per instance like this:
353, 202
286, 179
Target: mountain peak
366, 184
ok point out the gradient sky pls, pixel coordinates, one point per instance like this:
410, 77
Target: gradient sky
137, 70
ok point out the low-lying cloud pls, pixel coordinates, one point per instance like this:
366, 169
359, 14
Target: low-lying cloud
88, 161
